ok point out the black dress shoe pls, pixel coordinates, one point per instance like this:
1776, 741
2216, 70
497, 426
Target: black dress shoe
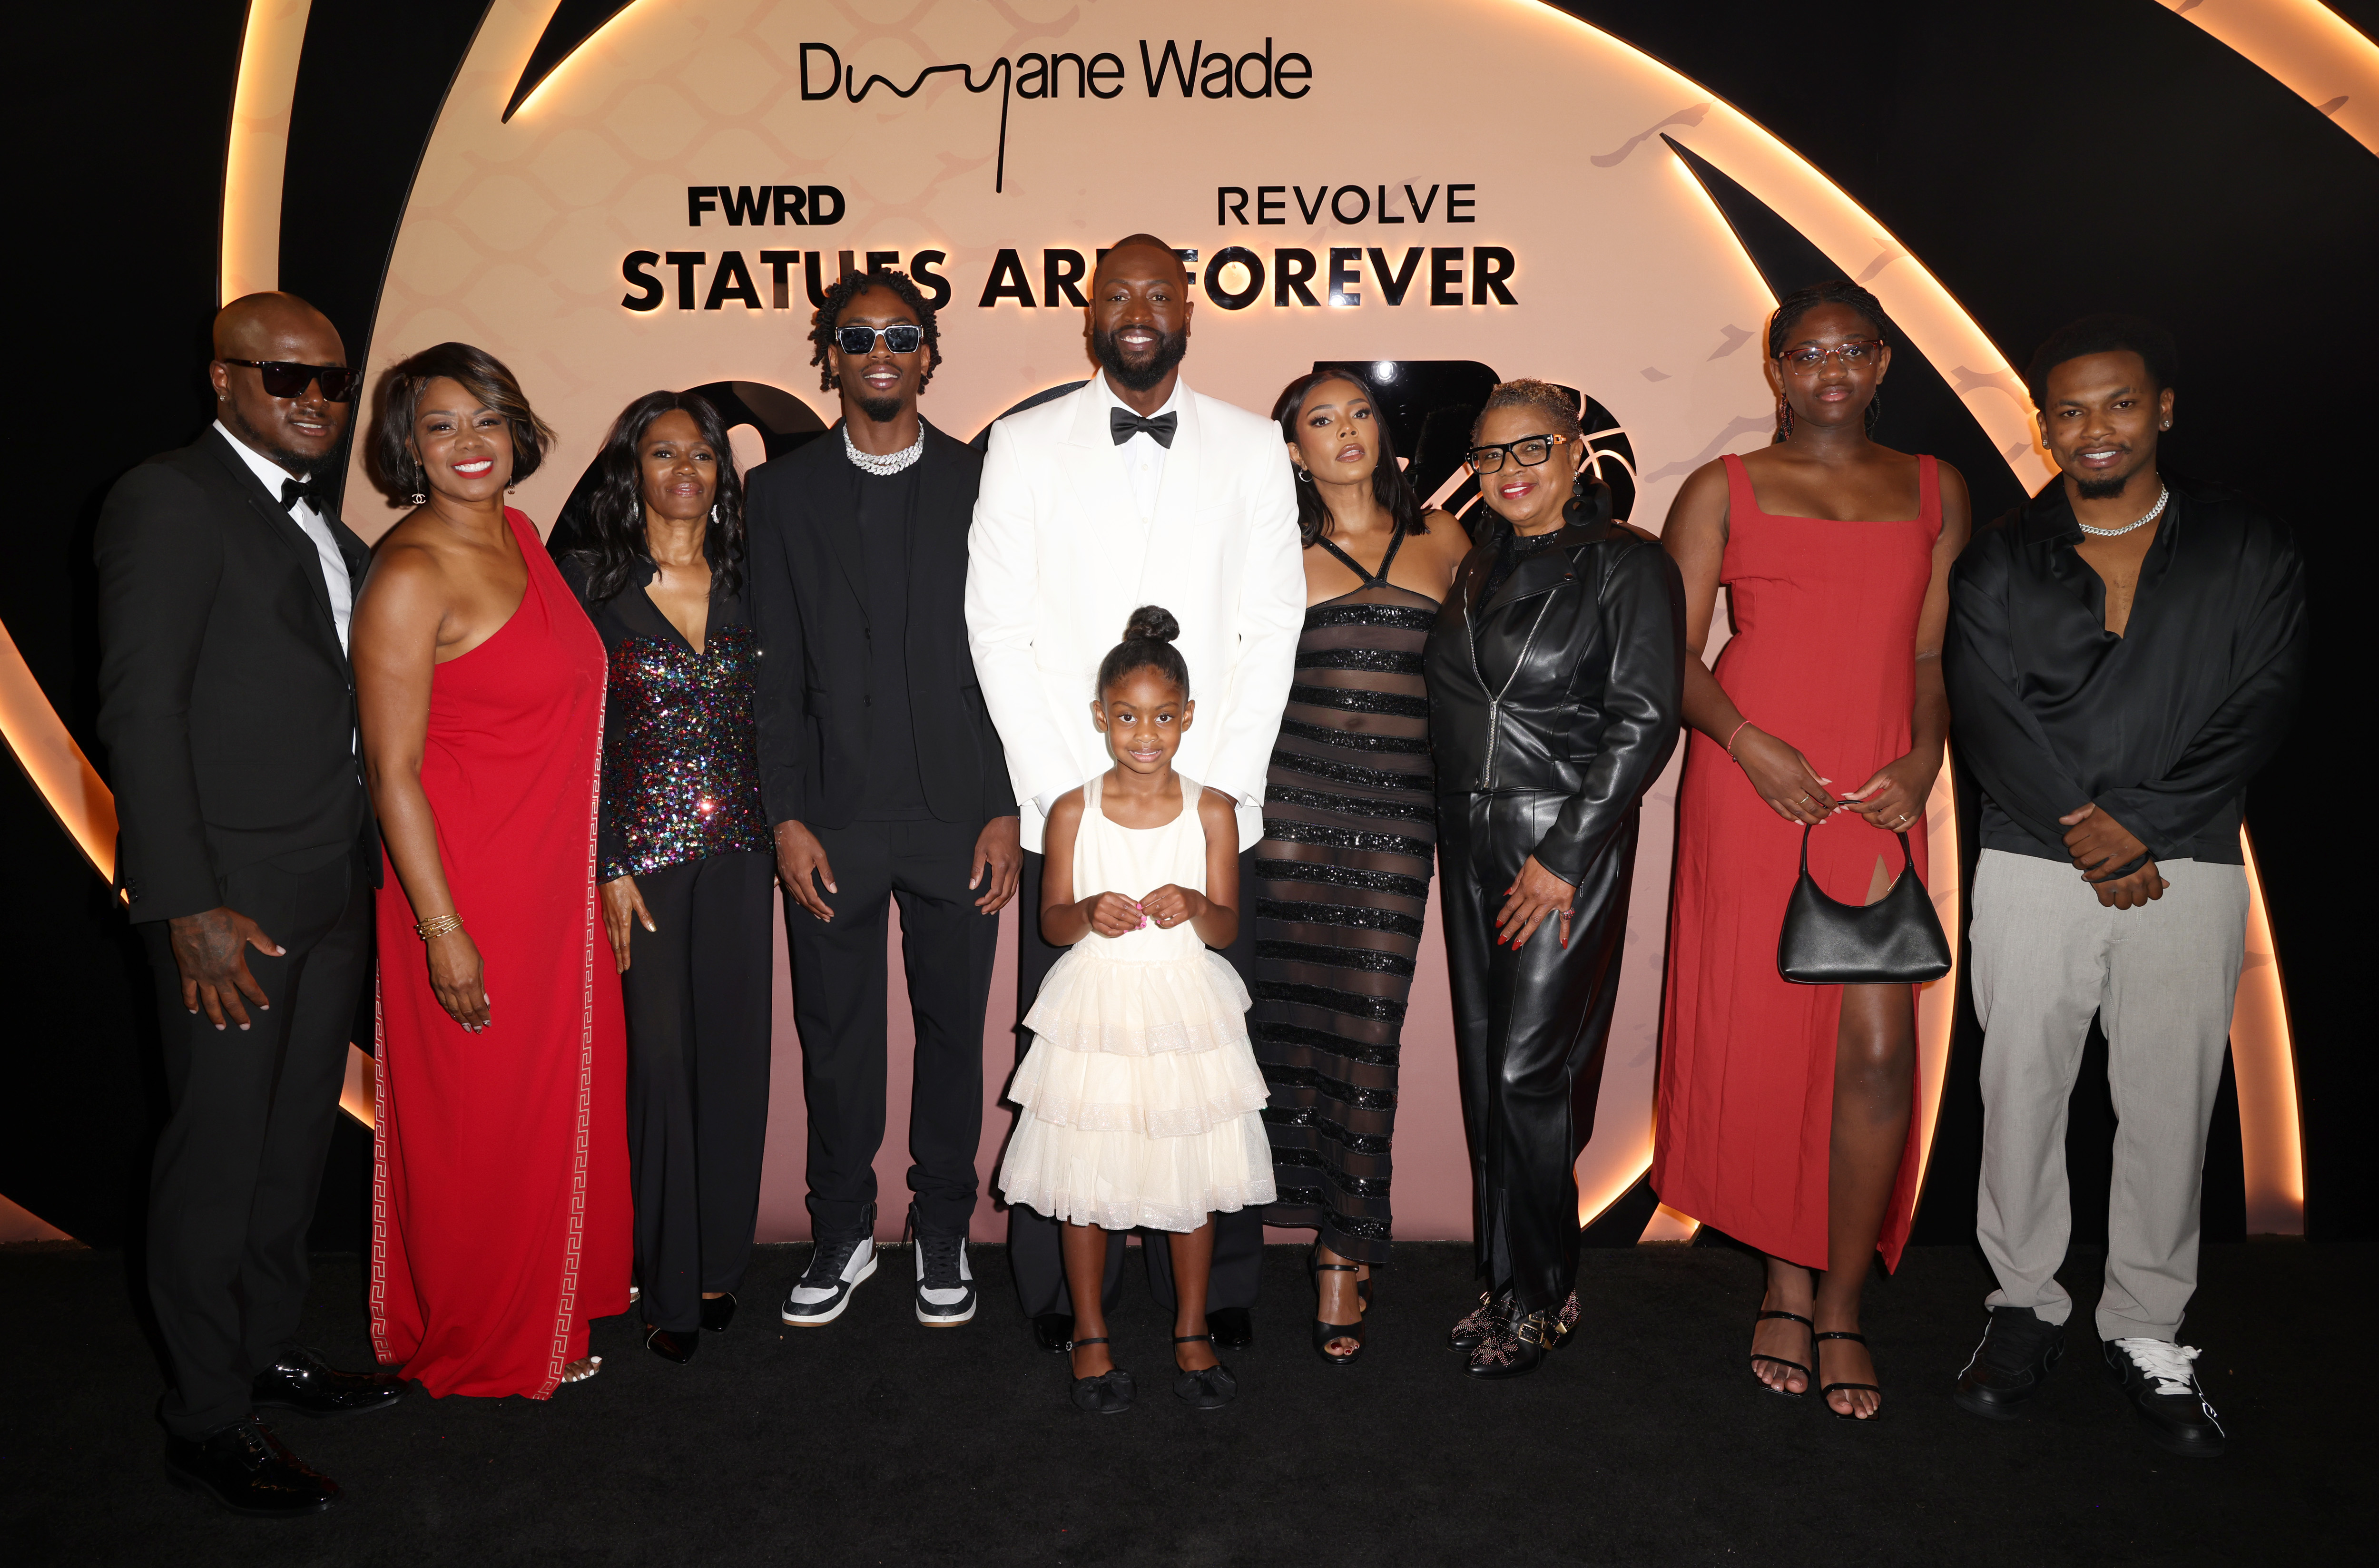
1053, 1331
2005, 1371
301, 1381
2157, 1377
1234, 1327
245, 1468
717, 1311
674, 1345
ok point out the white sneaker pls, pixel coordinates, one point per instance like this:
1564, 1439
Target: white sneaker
944, 1284
837, 1266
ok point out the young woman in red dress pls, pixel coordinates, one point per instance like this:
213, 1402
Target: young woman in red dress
501, 1213
1785, 1111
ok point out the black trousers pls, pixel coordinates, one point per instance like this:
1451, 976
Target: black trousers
1033, 1236
696, 993
838, 983
240, 1161
1530, 1030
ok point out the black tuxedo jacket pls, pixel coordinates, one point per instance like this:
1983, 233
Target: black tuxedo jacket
809, 606
225, 703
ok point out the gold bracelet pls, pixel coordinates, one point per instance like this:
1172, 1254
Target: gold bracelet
436, 925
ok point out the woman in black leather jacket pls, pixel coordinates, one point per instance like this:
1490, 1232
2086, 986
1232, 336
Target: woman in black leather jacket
1556, 673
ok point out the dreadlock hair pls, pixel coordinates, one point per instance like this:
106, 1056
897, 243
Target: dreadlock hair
2104, 333
615, 539
1147, 645
1799, 302
1389, 486
850, 286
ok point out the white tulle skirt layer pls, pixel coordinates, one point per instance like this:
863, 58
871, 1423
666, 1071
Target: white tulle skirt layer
1141, 1098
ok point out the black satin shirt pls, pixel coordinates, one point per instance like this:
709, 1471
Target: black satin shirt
2162, 727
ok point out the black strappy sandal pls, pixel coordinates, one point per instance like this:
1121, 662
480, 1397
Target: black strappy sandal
1872, 1388
1109, 1393
1807, 1376
1323, 1333
1209, 1388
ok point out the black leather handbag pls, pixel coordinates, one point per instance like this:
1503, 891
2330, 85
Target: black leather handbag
1897, 939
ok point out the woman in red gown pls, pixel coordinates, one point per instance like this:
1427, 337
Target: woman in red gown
501, 1213
1785, 1111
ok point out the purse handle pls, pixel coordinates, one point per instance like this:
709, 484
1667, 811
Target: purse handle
1907, 855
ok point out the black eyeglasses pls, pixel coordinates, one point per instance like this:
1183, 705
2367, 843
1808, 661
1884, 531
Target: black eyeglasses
1527, 451
286, 378
902, 339
1809, 359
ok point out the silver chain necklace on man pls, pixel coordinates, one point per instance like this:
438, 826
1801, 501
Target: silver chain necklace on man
885, 466
2164, 493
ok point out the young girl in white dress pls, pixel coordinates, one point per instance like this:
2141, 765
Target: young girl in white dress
1142, 1096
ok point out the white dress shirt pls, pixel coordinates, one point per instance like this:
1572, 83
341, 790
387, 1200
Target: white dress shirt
1143, 460
335, 566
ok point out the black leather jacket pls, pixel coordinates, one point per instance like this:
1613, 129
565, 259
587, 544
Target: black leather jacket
1567, 679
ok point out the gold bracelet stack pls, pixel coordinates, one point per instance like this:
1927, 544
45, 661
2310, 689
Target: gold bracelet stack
436, 925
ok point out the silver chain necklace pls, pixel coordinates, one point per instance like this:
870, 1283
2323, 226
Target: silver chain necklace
883, 468
2164, 493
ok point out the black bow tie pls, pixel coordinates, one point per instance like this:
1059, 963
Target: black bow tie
1123, 424
313, 494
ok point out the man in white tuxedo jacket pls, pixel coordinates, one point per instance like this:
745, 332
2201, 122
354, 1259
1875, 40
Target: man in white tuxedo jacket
1133, 489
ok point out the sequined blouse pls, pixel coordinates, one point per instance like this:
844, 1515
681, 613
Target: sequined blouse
680, 757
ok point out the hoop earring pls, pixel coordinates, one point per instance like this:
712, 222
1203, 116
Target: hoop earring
1304, 474
1783, 419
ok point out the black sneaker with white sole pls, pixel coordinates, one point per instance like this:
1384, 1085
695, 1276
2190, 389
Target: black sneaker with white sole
2159, 1380
839, 1265
944, 1284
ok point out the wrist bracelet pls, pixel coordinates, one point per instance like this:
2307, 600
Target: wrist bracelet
436, 925
1731, 734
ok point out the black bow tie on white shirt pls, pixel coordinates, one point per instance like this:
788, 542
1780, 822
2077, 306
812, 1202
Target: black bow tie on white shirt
314, 495
1123, 424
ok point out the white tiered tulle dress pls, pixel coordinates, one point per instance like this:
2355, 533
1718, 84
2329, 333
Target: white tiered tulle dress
1141, 1095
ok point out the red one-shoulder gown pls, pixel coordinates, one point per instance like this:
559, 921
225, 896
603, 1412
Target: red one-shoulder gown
1823, 655
501, 1209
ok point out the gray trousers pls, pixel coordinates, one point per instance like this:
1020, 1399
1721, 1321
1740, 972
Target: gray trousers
2163, 978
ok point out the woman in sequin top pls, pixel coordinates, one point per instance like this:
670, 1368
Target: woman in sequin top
1350, 825
682, 850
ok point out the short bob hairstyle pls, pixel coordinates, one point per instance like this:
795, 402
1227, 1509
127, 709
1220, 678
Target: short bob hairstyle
390, 458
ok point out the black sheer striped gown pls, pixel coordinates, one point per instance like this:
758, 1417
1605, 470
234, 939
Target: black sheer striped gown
1341, 887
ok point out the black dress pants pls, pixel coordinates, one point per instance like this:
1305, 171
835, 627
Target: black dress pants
696, 993
1530, 1030
1033, 1236
240, 1161
948, 946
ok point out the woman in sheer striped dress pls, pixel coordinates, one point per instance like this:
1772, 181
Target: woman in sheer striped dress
1342, 875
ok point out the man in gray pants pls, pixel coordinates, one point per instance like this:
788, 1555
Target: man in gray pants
2124, 653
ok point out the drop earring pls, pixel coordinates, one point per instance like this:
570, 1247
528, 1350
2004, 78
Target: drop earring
420, 481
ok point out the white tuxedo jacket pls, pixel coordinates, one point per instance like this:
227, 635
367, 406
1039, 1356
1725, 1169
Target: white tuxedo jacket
1059, 558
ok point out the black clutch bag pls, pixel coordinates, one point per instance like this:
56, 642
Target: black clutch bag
1895, 940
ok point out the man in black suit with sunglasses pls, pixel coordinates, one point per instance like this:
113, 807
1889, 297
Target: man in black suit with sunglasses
246, 857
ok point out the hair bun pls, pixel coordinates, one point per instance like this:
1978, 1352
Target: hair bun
1150, 624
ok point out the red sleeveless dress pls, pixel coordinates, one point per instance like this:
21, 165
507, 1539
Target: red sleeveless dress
1822, 655
501, 1209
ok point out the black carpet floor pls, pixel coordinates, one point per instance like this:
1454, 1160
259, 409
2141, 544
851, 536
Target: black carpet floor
874, 1441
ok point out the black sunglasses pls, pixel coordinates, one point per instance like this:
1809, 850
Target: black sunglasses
902, 339
286, 378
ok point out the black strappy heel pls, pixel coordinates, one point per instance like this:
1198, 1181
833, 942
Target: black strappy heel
1323, 1333
1807, 1375
1109, 1393
1209, 1388
1871, 1388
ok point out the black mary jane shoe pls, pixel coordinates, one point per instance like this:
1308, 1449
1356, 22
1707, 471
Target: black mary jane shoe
1209, 1388
1875, 1389
1518, 1349
1328, 1334
1053, 1331
1480, 1325
1807, 1376
1109, 1393
717, 1311
674, 1345
303, 1381
245, 1468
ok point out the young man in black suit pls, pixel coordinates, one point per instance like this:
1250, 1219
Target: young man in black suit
880, 768
246, 857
